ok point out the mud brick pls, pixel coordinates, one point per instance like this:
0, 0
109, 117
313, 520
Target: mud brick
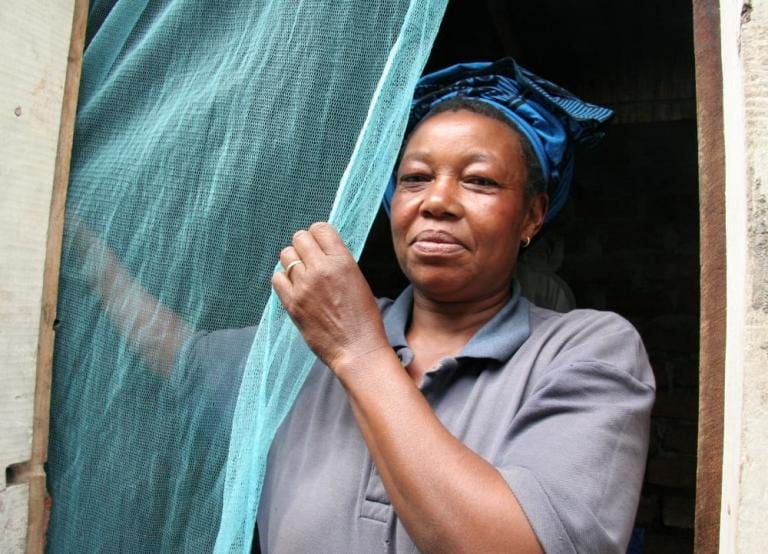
681, 404
680, 437
678, 511
672, 470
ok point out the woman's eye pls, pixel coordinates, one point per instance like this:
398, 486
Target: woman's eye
414, 178
481, 182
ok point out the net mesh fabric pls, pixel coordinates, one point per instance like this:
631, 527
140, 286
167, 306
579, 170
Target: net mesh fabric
207, 133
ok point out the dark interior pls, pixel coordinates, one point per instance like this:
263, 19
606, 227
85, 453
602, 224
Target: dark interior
628, 239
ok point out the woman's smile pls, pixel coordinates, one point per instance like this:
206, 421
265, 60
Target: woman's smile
437, 243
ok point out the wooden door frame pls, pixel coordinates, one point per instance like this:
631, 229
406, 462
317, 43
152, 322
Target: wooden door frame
709, 108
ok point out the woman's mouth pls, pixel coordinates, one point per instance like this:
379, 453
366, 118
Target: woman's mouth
436, 242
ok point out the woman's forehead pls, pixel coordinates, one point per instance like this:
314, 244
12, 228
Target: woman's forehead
475, 137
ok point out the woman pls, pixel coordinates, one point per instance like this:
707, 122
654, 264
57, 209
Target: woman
459, 417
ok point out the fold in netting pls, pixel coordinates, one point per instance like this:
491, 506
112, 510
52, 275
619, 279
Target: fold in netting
207, 133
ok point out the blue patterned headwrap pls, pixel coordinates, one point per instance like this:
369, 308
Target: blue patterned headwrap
551, 118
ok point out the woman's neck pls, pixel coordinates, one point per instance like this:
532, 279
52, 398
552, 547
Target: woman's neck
455, 318
439, 329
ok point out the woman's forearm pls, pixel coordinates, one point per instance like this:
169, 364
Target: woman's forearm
448, 498
154, 331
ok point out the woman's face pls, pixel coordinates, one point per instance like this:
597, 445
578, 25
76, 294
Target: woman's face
459, 211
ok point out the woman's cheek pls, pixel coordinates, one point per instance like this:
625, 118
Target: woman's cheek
398, 222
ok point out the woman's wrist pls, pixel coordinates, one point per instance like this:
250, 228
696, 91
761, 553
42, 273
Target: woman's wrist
353, 367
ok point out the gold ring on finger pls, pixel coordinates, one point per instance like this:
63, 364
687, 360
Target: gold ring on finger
290, 266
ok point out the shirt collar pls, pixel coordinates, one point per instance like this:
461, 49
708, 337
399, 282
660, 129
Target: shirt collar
498, 339
396, 318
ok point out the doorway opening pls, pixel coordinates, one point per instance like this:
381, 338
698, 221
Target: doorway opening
628, 239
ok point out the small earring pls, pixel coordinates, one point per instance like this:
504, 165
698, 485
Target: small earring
526, 241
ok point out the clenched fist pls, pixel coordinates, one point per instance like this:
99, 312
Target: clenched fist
328, 298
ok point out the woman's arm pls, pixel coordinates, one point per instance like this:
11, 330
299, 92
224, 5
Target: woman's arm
447, 497
154, 331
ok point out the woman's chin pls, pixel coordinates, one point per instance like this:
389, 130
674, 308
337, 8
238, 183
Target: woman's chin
442, 288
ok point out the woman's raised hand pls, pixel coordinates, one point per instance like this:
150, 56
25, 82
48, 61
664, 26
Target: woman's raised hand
326, 295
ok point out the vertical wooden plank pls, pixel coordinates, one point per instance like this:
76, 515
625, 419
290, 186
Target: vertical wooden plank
709, 97
35, 38
38, 509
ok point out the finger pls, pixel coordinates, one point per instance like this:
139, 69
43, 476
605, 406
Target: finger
282, 286
288, 255
288, 259
328, 238
307, 248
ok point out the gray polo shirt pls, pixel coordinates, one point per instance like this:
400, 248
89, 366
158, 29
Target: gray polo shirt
558, 403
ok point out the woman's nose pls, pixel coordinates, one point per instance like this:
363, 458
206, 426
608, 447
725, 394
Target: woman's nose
441, 198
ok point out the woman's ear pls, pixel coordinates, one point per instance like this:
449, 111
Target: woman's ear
537, 209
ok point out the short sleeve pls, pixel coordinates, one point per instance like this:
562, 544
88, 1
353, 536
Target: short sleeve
208, 371
576, 450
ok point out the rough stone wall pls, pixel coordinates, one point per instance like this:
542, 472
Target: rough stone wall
745, 98
34, 40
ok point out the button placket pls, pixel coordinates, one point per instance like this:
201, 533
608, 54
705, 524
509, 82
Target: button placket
376, 504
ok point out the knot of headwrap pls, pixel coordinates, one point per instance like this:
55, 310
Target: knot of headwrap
551, 118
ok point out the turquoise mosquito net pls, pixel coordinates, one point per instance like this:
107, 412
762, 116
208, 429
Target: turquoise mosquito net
208, 131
